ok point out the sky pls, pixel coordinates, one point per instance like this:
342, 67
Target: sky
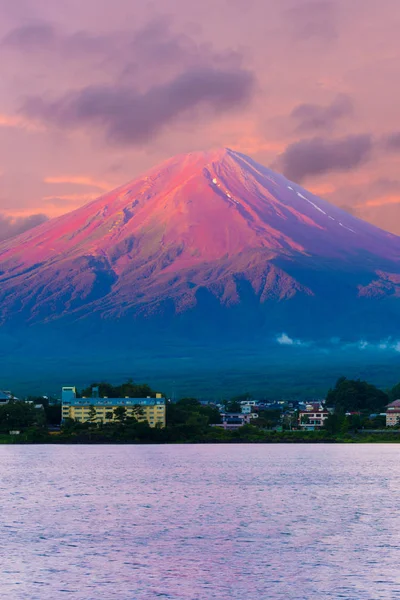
94, 93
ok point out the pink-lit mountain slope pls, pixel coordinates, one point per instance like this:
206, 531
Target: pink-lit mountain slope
212, 225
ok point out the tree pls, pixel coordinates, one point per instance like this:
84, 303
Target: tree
189, 402
135, 390
272, 417
354, 422
260, 423
212, 413
250, 432
120, 413
129, 388
18, 415
92, 415
53, 413
197, 420
69, 425
233, 406
105, 390
289, 421
394, 393
189, 410
344, 425
137, 411
52, 408
333, 423
378, 422
355, 395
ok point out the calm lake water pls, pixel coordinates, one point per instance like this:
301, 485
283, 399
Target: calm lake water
200, 522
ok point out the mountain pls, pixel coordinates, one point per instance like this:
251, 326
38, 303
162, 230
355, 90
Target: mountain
206, 249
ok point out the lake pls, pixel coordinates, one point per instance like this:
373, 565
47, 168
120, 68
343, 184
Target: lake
200, 522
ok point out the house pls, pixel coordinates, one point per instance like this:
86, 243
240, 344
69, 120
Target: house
248, 404
102, 410
232, 421
313, 416
5, 397
393, 414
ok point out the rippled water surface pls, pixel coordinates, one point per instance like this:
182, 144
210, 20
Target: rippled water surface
200, 522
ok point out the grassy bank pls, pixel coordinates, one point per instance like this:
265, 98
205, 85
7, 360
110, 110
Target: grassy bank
213, 436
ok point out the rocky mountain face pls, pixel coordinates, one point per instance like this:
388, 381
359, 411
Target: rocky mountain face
206, 245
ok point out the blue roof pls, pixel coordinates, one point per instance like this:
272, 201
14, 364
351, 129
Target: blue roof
4, 396
114, 401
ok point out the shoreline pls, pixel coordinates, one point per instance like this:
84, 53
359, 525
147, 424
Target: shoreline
41, 438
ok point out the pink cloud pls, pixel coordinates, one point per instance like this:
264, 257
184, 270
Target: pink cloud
296, 69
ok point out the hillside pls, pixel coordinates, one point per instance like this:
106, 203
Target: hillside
207, 249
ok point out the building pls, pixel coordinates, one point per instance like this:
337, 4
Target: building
393, 414
5, 397
313, 416
232, 421
248, 405
103, 410
248, 408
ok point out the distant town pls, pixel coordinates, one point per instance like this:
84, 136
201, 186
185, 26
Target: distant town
352, 410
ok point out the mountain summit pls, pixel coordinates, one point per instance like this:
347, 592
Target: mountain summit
208, 244
201, 220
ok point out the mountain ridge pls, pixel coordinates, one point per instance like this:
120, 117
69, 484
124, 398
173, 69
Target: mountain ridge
211, 225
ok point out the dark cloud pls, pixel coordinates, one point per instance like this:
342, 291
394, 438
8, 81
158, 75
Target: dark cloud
155, 42
314, 19
392, 142
31, 37
40, 38
318, 155
127, 52
127, 104
157, 45
129, 116
12, 226
311, 117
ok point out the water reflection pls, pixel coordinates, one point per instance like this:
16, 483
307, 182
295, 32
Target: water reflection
200, 522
